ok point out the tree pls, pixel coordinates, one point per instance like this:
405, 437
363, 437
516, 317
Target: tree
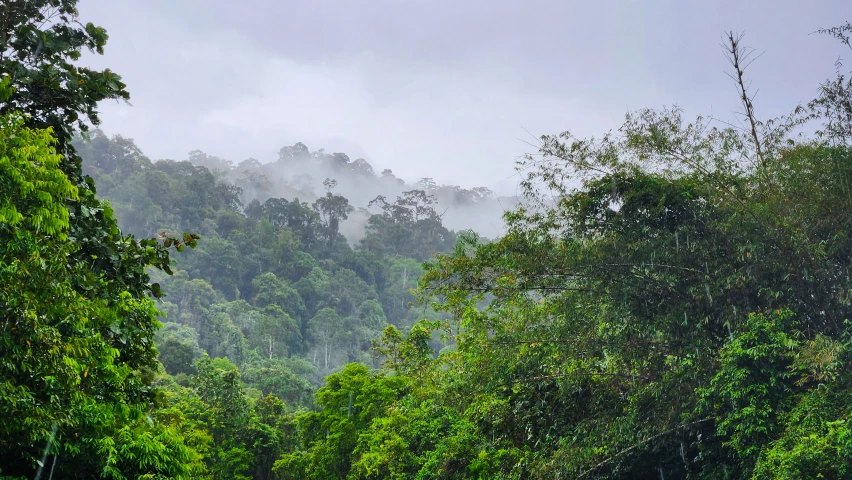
362, 168
348, 291
38, 43
832, 104
426, 184
230, 416
35, 230
313, 289
350, 400
325, 328
409, 226
362, 326
218, 260
177, 357
274, 333
275, 378
116, 157
213, 163
333, 209
62, 379
296, 151
389, 177
295, 215
269, 290
671, 291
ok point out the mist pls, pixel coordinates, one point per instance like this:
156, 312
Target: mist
264, 267
300, 173
457, 106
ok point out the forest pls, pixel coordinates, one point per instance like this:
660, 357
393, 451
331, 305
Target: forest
670, 300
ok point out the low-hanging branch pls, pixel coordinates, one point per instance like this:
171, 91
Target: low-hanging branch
643, 442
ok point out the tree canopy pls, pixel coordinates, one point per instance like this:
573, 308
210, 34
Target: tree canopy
669, 300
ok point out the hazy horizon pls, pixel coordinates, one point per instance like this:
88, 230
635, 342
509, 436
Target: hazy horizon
433, 89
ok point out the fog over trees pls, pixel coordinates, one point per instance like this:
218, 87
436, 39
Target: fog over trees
667, 300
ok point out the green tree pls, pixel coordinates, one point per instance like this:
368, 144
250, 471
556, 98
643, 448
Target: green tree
672, 291
176, 356
333, 209
409, 226
273, 377
269, 290
347, 291
75, 348
325, 329
39, 42
229, 415
117, 157
350, 401
275, 333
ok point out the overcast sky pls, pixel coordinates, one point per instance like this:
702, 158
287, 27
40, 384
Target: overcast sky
442, 89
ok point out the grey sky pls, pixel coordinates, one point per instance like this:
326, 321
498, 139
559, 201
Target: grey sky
438, 88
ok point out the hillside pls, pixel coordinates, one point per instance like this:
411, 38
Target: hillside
274, 280
669, 300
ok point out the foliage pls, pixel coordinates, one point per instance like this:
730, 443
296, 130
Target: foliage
350, 401
78, 345
75, 348
409, 226
252, 289
671, 300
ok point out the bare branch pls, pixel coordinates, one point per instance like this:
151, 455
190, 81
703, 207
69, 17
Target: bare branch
643, 442
739, 57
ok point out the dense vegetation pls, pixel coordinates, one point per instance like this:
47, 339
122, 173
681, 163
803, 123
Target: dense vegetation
271, 281
668, 301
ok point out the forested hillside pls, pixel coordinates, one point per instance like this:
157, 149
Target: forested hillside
297, 173
670, 300
274, 286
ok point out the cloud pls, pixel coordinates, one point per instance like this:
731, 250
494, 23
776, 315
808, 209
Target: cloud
436, 120
438, 89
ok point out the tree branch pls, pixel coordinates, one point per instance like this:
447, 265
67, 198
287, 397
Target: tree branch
738, 55
643, 442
